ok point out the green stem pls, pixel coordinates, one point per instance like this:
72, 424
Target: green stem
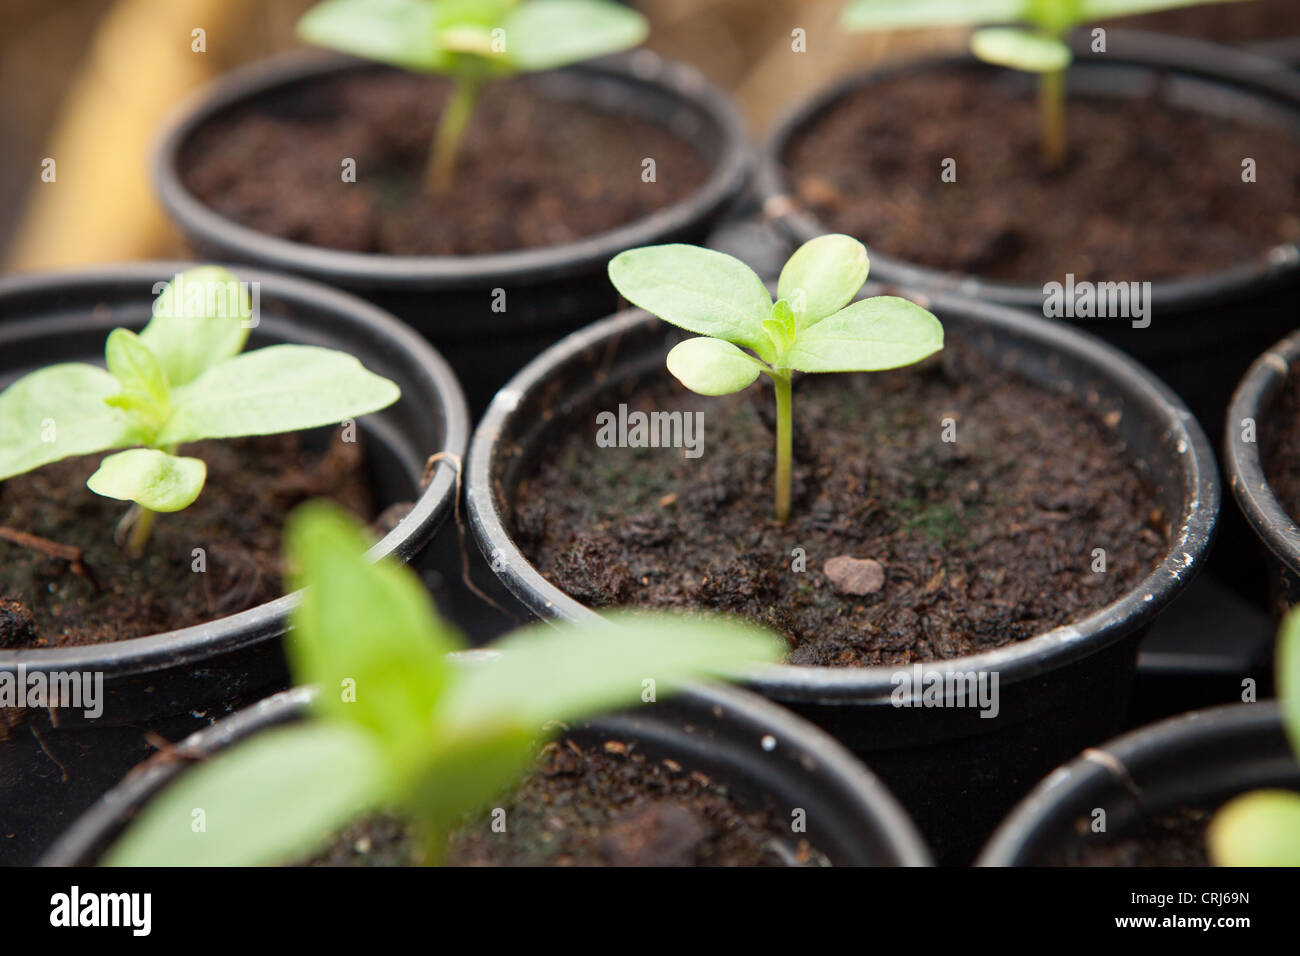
1051, 111
784, 443
140, 529
451, 129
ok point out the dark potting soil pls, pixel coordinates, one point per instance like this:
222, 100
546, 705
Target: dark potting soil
984, 541
1148, 191
252, 484
584, 806
533, 171
1226, 22
1176, 838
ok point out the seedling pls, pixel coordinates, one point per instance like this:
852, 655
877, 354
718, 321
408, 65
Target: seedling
1262, 828
182, 379
472, 41
810, 328
1040, 49
399, 724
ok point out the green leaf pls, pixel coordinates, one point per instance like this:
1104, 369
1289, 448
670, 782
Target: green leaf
281, 388
144, 383
1288, 675
699, 290
877, 333
712, 366
269, 799
544, 34
151, 478
567, 671
58, 412
402, 33
366, 633
201, 318
1020, 50
912, 14
1261, 828
823, 276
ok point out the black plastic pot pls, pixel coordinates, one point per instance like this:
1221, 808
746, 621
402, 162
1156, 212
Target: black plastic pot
765, 756
449, 299
956, 772
1201, 759
1205, 330
1286, 49
54, 763
1276, 529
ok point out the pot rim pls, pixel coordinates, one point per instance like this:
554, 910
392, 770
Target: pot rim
1251, 73
1184, 556
1129, 750
642, 67
221, 635
1254, 495
833, 763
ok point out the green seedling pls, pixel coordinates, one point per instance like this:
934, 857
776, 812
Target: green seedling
811, 327
1038, 48
399, 722
471, 41
1262, 828
184, 378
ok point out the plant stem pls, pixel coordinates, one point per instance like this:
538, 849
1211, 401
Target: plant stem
1051, 110
140, 529
784, 443
451, 129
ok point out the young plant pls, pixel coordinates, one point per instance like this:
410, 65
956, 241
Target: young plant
1262, 828
810, 328
471, 41
182, 379
398, 723
1040, 49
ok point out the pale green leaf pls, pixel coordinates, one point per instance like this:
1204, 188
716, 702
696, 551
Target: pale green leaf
144, 383
153, 479
281, 388
1020, 49
468, 770
543, 34
365, 633
877, 333
1261, 828
567, 671
823, 276
1288, 675
712, 366
269, 799
201, 318
58, 412
699, 290
920, 14
402, 33
781, 326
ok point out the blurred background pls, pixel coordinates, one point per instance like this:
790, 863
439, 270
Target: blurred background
89, 81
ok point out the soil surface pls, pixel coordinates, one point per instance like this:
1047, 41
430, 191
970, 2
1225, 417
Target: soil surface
984, 541
1280, 445
1176, 838
593, 807
1148, 191
252, 484
533, 171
